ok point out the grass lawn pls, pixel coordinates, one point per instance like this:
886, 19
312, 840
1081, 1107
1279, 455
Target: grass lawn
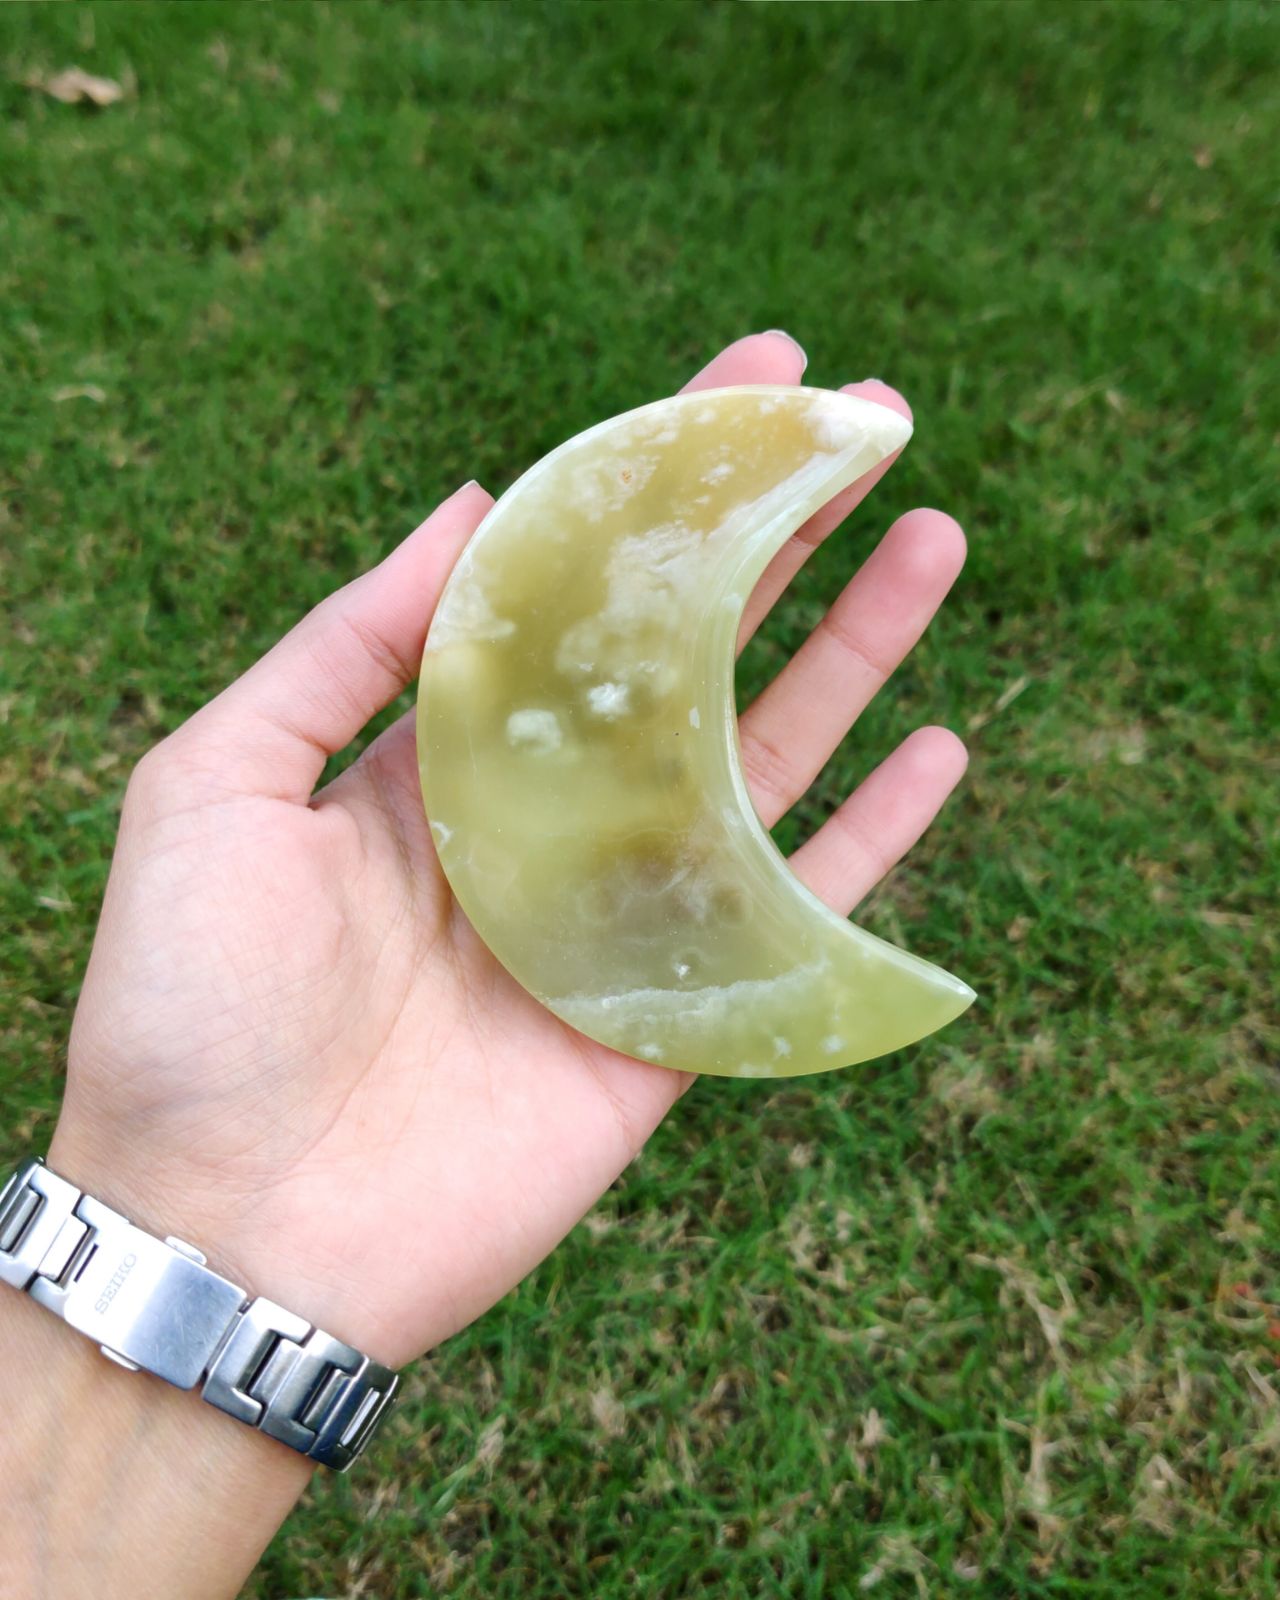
998, 1316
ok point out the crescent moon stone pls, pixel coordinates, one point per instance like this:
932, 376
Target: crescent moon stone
579, 744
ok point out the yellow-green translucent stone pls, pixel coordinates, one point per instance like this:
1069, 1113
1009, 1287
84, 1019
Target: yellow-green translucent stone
579, 747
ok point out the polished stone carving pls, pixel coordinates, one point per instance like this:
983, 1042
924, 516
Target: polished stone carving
579, 749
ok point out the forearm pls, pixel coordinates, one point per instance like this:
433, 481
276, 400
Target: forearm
116, 1485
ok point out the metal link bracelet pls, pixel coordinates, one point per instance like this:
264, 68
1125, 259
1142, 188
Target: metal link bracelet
154, 1306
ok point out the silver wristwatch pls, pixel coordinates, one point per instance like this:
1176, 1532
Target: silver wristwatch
154, 1306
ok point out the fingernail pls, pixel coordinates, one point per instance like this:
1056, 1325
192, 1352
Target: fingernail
872, 380
800, 350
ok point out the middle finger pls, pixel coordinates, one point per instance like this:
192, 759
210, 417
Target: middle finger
792, 727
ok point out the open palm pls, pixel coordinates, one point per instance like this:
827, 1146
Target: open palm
292, 1048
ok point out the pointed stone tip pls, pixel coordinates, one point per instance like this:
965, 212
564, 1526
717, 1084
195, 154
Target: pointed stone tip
857, 422
958, 986
896, 431
950, 998
962, 996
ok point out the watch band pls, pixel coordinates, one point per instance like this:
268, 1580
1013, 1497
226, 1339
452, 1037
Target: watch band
153, 1305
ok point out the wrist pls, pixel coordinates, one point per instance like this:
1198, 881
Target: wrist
117, 1484
261, 1238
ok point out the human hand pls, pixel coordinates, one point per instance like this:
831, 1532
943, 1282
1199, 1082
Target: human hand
292, 1049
